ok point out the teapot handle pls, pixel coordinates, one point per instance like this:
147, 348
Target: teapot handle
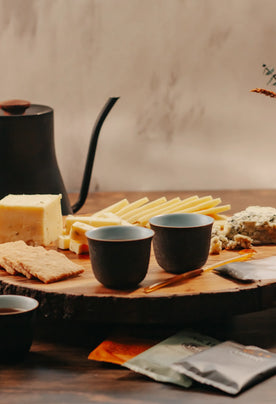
91, 153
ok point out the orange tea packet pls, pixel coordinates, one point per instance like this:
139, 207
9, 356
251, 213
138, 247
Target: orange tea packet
121, 345
119, 349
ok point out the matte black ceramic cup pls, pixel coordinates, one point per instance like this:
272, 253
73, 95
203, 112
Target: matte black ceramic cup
181, 241
16, 326
120, 255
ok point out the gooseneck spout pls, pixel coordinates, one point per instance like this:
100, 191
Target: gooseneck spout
91, 153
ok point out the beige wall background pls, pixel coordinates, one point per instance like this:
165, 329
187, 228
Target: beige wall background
183, 70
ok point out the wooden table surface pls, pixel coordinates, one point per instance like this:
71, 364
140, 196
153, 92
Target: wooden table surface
57, 369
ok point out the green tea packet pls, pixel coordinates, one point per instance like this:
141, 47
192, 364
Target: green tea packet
255, 270
228, 366
156, 362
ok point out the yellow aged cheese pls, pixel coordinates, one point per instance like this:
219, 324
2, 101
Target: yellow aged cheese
64, 241
77, 247
35, 219
95, 221
78, 231
70, 219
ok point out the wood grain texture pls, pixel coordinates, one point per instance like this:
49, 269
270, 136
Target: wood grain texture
83, 297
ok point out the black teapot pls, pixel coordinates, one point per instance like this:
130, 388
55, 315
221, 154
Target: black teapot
28, 163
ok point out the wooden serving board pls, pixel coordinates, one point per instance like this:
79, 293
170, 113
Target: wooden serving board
206, 296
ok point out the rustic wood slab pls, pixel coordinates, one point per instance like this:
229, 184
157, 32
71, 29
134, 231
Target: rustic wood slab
206, 296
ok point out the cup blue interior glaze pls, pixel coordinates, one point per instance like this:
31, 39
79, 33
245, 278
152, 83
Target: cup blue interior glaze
181, 241
17, 314
119, 255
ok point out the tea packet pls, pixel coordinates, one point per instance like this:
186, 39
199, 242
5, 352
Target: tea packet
229, 366
122, 344
156, 361
255, 270
118, 349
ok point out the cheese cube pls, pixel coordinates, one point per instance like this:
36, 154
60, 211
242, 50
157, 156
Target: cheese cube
35, 219
64, 241
78, 231
77, 247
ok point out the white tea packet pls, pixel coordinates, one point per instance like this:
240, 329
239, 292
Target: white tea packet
228, 366
155, 362
255, 270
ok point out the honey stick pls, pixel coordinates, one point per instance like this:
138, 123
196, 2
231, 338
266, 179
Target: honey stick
196, 272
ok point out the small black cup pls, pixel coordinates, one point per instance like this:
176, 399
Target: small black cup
181, 241
17, 315
120, 255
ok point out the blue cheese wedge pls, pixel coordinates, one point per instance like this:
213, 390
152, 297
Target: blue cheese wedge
35, 219
256, 222
256, 225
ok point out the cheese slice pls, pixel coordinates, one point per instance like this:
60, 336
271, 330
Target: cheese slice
35, 219
95, 221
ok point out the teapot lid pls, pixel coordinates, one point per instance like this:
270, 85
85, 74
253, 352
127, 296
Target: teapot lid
22, 108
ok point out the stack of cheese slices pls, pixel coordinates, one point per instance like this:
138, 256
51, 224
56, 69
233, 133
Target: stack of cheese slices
135, 213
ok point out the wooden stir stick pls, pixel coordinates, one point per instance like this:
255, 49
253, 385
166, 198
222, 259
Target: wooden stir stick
196, 272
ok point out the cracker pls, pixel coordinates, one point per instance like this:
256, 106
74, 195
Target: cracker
36, 262
10, 249
47, 266
14, 259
